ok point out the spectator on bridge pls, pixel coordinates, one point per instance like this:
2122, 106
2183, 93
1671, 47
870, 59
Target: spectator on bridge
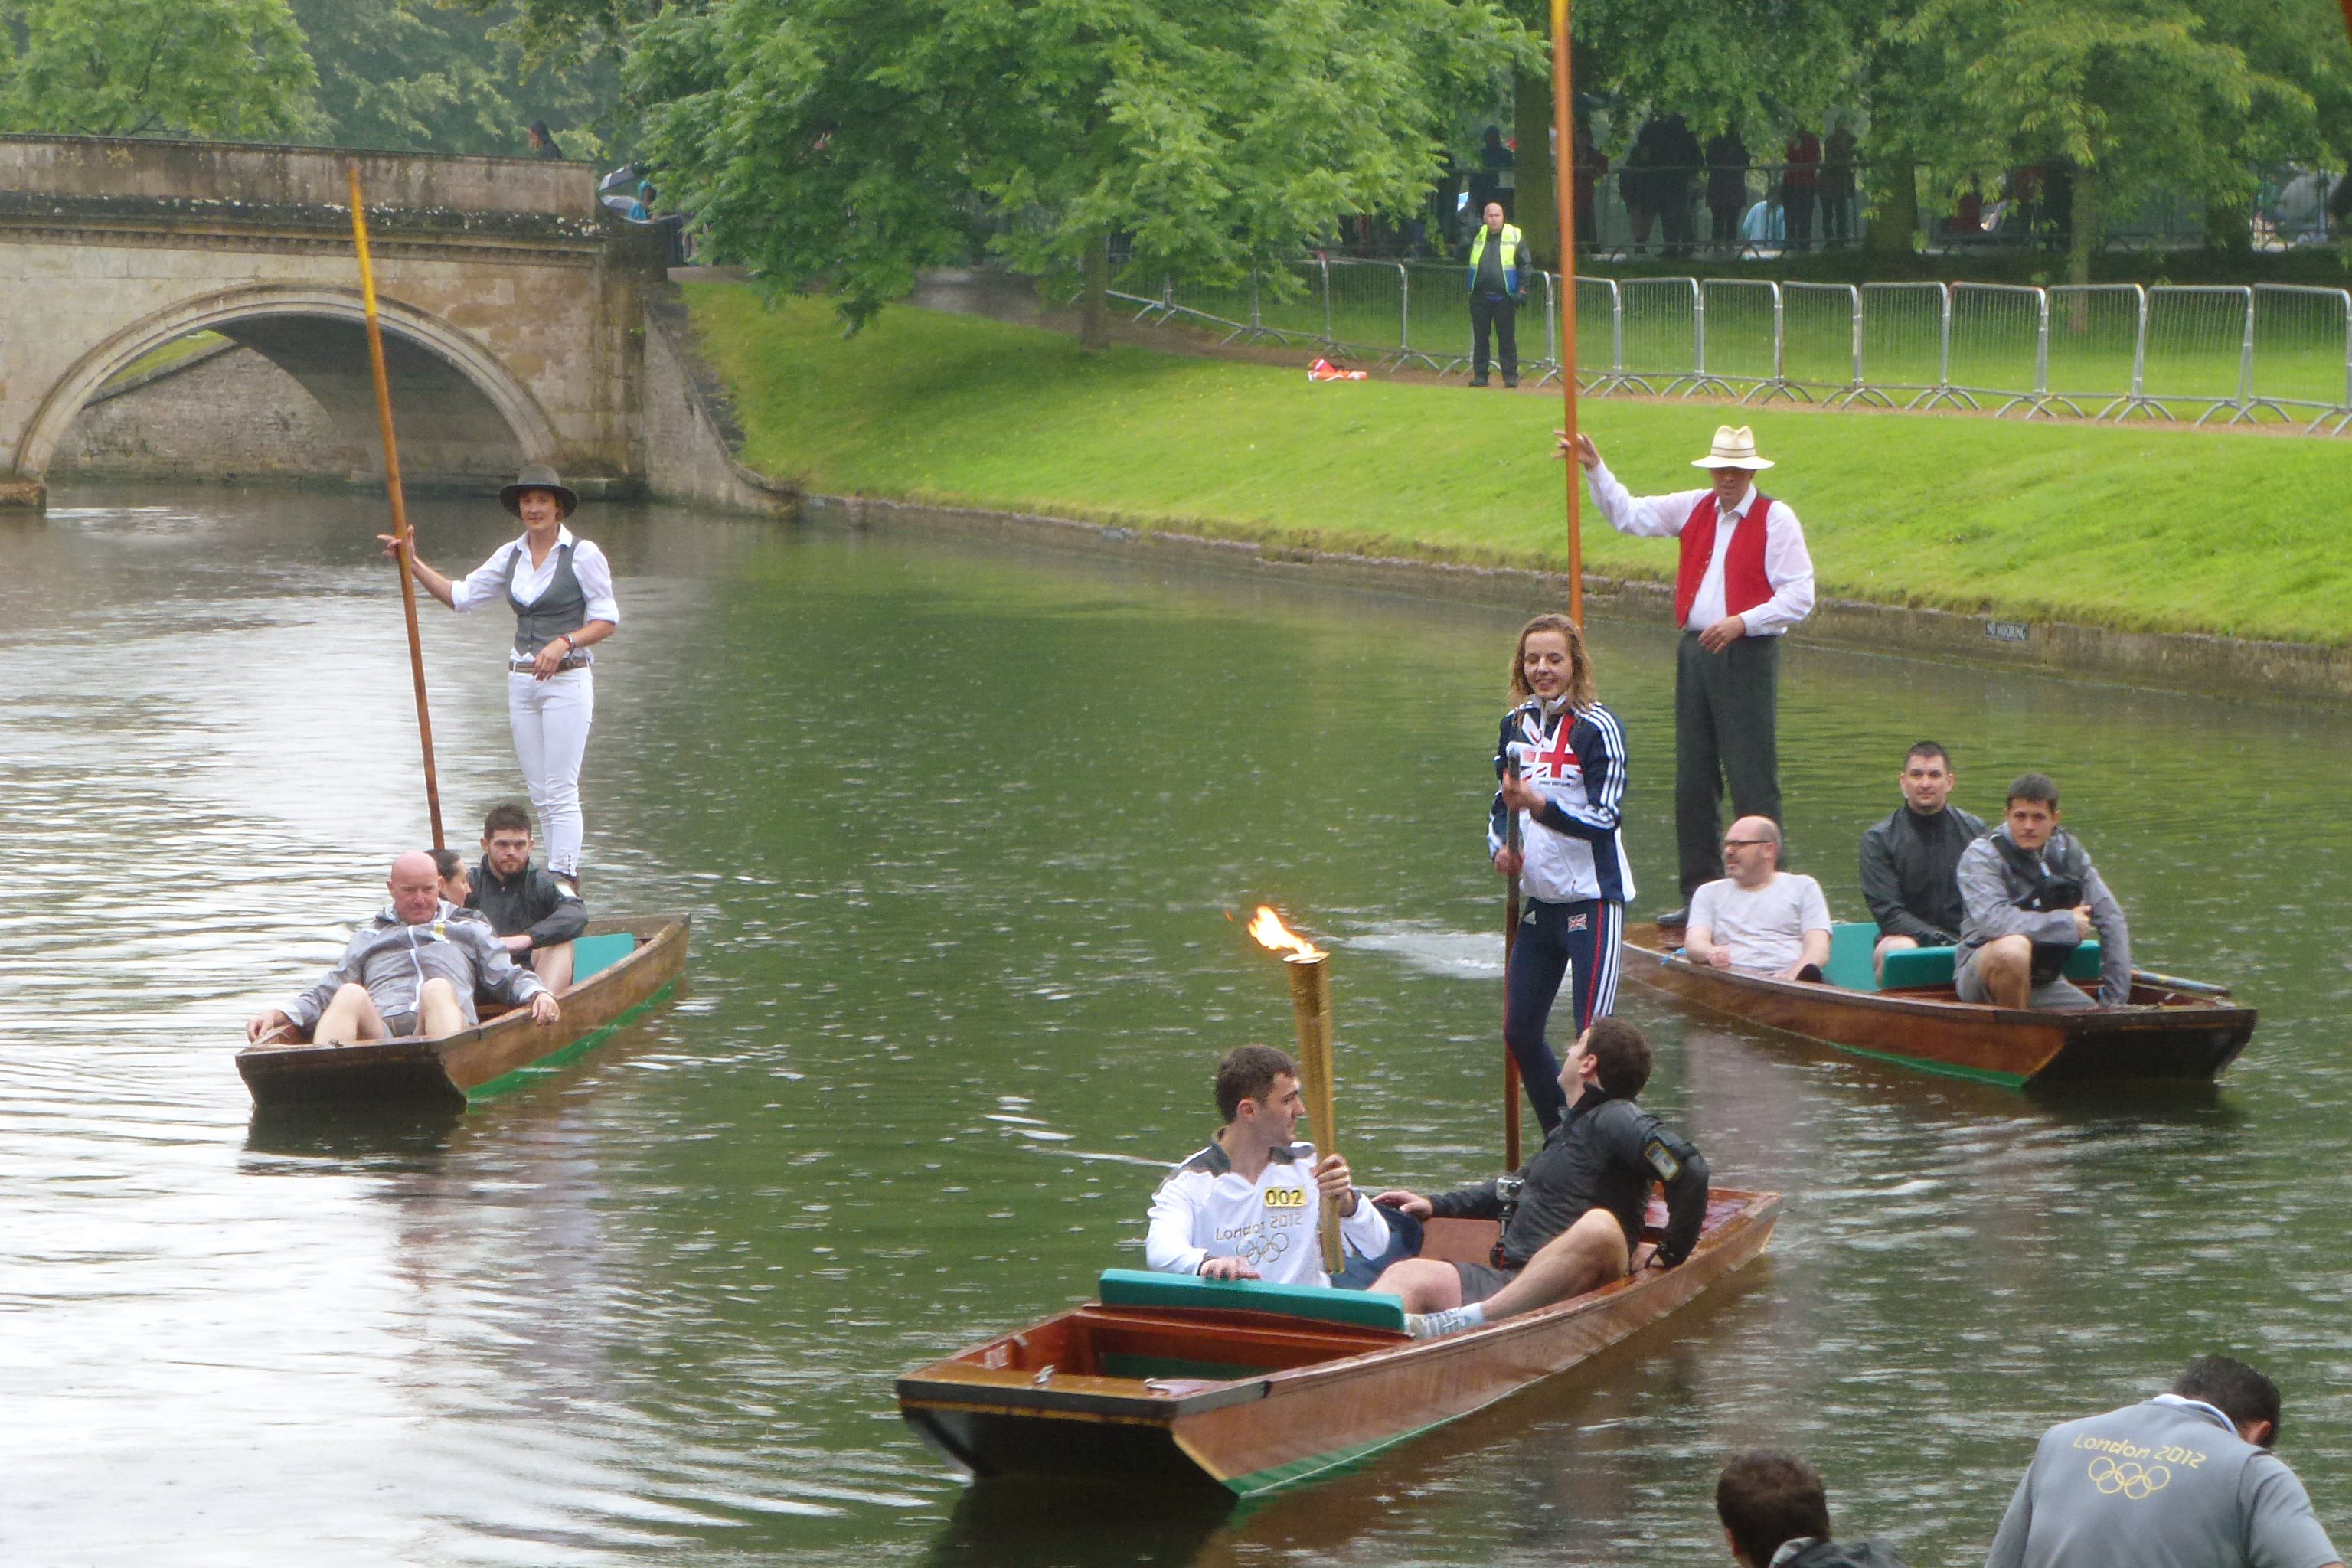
1592, 164
1637, 185
1676, 172
1800, 182
542, 140
1837, 185
1727, 187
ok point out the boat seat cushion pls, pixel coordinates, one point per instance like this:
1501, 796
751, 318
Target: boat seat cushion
1919, 968
591, 954
1149, 1288
1851, 944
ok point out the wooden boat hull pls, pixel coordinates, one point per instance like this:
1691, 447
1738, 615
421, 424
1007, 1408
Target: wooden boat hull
2172, 1037
481, 1061
1309, 1398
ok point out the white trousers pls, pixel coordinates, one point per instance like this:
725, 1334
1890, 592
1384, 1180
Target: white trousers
550, 720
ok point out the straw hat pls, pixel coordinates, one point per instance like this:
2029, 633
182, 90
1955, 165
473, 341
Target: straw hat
1734, 447
539, 476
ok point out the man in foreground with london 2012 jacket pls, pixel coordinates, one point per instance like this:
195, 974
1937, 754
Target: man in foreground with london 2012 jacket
412, 971
1571, 1216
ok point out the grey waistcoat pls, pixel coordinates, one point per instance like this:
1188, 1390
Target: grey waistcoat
563, 608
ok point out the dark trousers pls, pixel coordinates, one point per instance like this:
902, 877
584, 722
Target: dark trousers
1581, 941
1500, 314
1725, 709
1837, 215
1797, 209
1726, 220
1675, 217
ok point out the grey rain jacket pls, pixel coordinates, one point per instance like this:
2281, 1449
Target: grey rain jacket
1994, 892
394, 961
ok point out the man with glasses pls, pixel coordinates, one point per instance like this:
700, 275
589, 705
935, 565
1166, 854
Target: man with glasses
1759, 920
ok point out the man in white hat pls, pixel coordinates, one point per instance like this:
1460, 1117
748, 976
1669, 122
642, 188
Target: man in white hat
1745, 579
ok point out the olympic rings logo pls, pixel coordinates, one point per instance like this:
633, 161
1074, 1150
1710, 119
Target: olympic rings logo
2134, 1481
1262, 1250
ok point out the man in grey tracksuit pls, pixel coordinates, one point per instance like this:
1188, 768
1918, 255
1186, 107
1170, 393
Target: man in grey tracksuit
412, 971
2031, 896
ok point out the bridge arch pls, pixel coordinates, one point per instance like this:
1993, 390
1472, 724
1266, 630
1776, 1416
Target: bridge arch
273, 320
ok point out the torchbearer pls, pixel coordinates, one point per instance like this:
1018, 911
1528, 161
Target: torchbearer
1744, 579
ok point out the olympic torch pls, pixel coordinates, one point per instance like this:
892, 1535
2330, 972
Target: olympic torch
1310, 1011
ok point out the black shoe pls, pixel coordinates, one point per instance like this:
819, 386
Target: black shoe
1478, 381
1811, 972
1510, 381
1675, 919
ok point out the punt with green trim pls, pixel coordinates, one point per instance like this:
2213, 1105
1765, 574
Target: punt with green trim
2179, 1030
619, 968
1173, 1381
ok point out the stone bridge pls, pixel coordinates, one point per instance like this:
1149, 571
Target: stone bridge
515, 309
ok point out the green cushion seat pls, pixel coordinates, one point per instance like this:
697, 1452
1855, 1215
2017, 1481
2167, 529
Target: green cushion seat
1850, 942
591, 954
1913, 968
1149, 1288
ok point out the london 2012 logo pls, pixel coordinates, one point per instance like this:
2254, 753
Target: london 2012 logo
2135, 1482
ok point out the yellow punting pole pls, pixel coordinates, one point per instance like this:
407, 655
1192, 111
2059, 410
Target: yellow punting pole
400, 530
1563, 168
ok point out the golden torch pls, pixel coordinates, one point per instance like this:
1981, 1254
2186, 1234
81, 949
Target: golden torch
1310, 1009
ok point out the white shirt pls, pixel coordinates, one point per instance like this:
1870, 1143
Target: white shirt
1204, 1209
1787, 566
1764, 927
487, 584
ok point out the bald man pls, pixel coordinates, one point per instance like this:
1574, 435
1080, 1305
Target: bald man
414, 970
1759, 920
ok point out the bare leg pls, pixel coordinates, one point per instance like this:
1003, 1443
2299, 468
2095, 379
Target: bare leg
554, 966
1886, 944
2005, 964
1588, 1253
1425, 1284
438, 1012
350, 1019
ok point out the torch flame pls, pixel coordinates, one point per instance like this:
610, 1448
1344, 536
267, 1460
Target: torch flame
1275, 937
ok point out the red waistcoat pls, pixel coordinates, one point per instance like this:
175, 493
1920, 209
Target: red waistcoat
1744, 584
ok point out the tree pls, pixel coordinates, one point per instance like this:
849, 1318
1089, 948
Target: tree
136, 67
2136, 95
411, 74
858, 141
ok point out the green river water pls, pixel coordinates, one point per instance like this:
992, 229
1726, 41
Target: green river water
961, 828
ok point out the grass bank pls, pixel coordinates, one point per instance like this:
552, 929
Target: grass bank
2138, 528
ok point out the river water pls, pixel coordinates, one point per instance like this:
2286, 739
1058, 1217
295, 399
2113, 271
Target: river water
962, 827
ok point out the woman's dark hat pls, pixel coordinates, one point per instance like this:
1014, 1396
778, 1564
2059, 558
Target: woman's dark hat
539, 476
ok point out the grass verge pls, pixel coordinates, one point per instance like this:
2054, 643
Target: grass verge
2139, 528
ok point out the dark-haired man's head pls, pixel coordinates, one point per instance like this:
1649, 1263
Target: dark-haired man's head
506, 838
2248, 1399
1927, 778
2033, 814
1611, 1053
1257, 1094
1765, 1500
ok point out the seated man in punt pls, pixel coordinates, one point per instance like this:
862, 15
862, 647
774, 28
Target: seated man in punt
1758, 918
1910, 862
536, 913
1249, 1205
1572, 1216
2031, 897
412, 971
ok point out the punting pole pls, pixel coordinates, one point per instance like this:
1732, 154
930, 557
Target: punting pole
400, 529
1564, 170
1510, 939
1310, 1009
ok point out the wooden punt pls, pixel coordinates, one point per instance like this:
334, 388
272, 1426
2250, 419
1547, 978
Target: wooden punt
481, 1061
2166, 1035
1256, 1401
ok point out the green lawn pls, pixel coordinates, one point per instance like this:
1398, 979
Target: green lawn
2140, 527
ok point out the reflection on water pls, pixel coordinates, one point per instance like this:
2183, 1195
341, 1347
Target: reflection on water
961, 828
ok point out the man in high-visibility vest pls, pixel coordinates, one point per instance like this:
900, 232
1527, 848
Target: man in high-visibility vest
1499, 264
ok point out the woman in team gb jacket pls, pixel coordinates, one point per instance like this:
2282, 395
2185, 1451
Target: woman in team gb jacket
1561, 761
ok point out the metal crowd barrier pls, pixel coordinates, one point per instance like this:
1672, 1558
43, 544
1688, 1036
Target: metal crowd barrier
2199, 354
